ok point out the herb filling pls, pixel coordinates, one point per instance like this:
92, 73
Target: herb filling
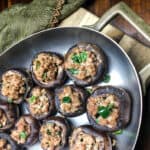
104, 109
70, 100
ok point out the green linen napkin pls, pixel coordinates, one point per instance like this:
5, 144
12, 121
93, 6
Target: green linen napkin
22, 20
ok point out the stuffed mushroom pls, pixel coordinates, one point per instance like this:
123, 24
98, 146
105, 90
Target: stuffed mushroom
108, 108
85, 63
87, 138
15, 85
25, 131
70, 100
6, 143
8, 115
41, 103
54, 133
47, 69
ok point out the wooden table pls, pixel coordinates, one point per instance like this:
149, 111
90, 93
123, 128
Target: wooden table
98, 7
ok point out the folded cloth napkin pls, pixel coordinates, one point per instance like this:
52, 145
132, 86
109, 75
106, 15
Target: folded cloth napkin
22, 20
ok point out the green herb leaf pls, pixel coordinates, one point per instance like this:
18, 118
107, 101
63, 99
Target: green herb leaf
79, 58
89, 90
1, 125
44, 76
48, 132
110, 106
38, 65
97, 120
10, 100
118, 132
106, 78
66, 99
58, 133
105, 111
73, 71
23, 135
32, 99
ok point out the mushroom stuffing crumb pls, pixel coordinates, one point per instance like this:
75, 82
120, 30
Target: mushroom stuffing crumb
51, 136
13, 85
104, 109
4, 145
70, 100
46, 67
81, 140
81, 63
38, 102
21, 132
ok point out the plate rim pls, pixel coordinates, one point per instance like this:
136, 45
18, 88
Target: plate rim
112, 41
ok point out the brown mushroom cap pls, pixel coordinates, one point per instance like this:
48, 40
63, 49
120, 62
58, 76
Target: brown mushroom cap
60, 76
83, 96
28, 84
66, 129
34, 127
52, 109
101, 60
12, 113
125, 107
94, 133
6, 137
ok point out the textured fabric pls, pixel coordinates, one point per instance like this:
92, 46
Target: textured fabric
22, 20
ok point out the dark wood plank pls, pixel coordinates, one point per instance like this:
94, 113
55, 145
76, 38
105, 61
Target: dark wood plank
141, 7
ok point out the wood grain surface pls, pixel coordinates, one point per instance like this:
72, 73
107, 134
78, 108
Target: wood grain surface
141, 7
98, 7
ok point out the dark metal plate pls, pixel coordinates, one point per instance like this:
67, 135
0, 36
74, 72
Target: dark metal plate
121, 69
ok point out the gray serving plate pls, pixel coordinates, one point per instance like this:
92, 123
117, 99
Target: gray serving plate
121, 70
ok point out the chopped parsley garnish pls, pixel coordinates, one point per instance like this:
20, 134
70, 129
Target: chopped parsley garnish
73, 71
118, 132
105, 111
106, 78
48, 132
10, 100
44, 76
23, 135
89, 90
38, 65
32, 99
66, 99
58, 133
79, 58
97, 120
